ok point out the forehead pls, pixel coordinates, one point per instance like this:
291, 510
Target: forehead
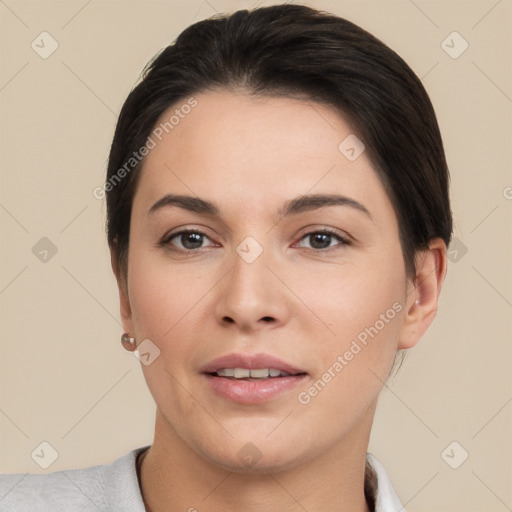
224, 127
251, 151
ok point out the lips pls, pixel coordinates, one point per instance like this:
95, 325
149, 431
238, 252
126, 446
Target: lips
250, 362
241, 378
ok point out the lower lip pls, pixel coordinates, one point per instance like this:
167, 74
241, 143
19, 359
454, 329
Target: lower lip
252, 392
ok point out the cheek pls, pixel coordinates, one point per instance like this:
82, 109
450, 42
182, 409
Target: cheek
162, 295
361, 309
164, 301
344, 300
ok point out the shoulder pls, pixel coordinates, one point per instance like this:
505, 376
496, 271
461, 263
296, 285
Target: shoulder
96, 488
386, 499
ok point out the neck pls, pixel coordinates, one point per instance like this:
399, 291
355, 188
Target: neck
175, 477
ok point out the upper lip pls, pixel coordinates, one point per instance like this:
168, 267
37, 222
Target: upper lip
251, 362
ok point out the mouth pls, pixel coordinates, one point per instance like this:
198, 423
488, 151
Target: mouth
251, 379
255, 374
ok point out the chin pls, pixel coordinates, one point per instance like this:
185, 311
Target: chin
256, 454
254, 463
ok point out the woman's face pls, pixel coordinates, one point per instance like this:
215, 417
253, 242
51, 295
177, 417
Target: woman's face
255, 278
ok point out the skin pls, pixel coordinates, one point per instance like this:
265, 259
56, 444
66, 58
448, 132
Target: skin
296, 301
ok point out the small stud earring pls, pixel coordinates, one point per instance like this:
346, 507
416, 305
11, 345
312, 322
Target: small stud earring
128, 343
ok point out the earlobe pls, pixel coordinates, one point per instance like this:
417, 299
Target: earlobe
422, 299
122, 286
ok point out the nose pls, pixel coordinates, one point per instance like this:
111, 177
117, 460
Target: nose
252, 296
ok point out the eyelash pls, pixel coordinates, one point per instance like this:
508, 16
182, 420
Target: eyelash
166, 241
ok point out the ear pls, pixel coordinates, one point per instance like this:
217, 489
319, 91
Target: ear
122, 286
423, 293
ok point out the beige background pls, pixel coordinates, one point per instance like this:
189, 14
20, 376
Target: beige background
65, 378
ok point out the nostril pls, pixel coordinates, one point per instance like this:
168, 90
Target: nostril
265, 319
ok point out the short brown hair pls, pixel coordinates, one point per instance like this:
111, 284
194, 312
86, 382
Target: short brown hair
296, 51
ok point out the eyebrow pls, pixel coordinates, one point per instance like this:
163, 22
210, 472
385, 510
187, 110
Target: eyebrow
297, 205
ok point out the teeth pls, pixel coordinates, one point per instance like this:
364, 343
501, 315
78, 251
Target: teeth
226, 372
263, 373
241, 373
244, 373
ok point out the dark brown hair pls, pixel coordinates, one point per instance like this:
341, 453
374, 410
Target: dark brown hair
296, 51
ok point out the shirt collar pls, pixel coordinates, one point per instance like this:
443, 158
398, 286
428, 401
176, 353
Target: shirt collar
386, 499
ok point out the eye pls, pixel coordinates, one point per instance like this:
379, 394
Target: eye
322, 239
186, 240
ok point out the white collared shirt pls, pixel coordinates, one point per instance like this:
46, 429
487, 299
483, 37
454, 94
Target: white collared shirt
115, 487
386, 499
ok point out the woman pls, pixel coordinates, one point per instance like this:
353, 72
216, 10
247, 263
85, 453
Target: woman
278, 217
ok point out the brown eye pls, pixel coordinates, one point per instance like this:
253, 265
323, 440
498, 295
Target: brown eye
187, 240
323, 239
